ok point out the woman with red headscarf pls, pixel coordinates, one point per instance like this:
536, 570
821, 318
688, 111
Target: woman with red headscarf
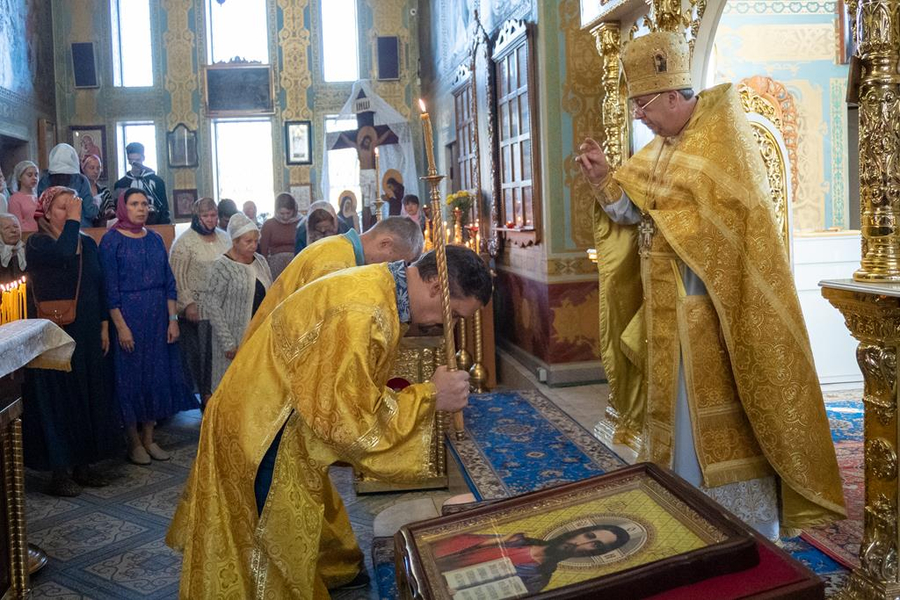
141, 294
72, 419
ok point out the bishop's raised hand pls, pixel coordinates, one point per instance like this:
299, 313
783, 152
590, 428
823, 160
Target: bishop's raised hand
592, 160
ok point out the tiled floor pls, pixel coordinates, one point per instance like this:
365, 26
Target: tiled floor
108, 543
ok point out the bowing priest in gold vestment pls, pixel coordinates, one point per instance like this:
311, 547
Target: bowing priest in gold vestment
703, 340
391, 239
309, 389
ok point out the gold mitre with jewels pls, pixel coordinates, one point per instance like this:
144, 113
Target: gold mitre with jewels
657, 62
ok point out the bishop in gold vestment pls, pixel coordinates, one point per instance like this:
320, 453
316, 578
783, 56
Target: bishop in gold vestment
704, 342
311, 383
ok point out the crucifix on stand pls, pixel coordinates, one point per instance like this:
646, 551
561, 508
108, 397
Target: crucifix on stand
365, 139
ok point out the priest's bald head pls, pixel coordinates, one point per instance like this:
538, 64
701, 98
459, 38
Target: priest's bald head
658, 74
470, 286
393, 238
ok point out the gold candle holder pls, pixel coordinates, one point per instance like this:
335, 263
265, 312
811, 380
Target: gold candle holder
478, 373
429, 243
379, 199
463, 357
440, 249
458, 227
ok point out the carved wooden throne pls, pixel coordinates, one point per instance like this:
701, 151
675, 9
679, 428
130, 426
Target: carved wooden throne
773, 116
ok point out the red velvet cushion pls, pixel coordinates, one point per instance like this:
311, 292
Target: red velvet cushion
771, 573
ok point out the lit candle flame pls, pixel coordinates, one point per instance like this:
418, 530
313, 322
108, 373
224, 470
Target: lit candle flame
422, 105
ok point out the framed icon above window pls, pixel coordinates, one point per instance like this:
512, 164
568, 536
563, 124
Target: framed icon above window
182, 146
298, 142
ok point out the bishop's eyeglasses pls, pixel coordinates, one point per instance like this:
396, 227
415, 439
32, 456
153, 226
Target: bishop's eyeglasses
638, 108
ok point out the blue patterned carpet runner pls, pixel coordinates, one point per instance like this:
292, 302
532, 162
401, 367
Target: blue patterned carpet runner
518, 442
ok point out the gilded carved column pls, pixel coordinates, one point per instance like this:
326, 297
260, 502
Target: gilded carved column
871, 303
872, 313
614, 123
878, 33
181, 81
608, 37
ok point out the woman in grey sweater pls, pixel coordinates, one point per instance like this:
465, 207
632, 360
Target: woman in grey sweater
238, 281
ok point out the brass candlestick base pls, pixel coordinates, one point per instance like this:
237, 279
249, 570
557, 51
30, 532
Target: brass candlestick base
478, 378
37, 559
463, 360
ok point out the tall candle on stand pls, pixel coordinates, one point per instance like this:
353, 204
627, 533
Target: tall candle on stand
429, 138
440, 250
379, 199
377, 175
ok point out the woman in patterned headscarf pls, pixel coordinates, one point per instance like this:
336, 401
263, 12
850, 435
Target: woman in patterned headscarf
141, 293
72, 419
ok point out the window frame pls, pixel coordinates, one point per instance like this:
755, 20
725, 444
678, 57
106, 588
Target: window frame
208, 24
214, 154
122, 166
516, 35
116, 45
321, 29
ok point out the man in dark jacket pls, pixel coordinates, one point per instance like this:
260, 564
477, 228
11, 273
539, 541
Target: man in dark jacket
144, 178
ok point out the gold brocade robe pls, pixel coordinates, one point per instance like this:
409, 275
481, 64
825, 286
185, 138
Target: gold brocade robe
318, 366
325, 256
339, 548
753, 394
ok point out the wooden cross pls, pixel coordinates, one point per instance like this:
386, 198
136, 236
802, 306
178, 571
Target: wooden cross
367, 136
365, 139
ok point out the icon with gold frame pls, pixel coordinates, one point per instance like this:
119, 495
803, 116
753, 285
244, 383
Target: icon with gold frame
636, 528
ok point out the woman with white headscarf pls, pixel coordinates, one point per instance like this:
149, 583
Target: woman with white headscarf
238, 281
320, 222
65, 170
12, 249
